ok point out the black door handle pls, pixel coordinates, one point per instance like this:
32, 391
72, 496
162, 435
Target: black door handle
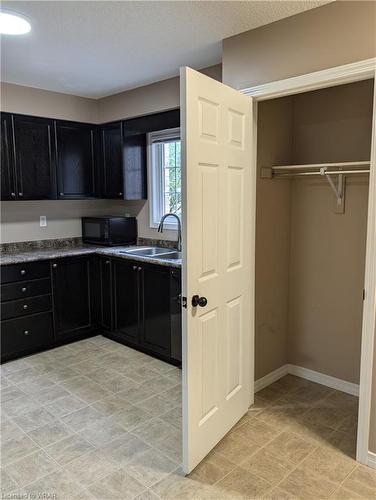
199, 301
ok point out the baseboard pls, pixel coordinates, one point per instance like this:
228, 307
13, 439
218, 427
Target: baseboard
321, 378
271, 377
371, 460
299, 371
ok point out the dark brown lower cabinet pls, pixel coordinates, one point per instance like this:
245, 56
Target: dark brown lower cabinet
72, 296
104, 285
126, 300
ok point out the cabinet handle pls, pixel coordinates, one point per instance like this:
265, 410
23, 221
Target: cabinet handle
20, 195
54, 266
26, 332
25, 306
23, 289
12, 195
134, 268
107, 262
139, 269
22, 272
120, 194
61, 194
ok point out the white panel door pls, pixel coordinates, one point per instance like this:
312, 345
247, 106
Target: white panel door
218, 221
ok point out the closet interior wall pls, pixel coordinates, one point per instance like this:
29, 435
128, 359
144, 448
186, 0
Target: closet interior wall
310, 274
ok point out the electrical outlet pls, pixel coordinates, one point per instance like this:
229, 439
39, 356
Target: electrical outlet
43, 221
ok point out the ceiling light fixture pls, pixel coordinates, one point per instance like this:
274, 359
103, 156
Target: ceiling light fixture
13, 24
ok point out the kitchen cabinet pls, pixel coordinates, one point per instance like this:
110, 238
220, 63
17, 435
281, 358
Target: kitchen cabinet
72, 296
76, 145
126, 300
155, 334
34, 158
8, 187
175, 313
105, 292
111, 161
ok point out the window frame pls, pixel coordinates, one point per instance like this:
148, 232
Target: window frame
155, 178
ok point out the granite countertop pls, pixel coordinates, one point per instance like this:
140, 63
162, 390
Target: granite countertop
30, 255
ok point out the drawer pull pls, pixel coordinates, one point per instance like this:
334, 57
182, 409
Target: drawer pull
23, 272
25, 306
23, 289
26, 332
107, 262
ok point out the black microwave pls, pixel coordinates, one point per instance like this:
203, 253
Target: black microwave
109, 230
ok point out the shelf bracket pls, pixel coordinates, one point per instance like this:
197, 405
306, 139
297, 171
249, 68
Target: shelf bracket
338, 190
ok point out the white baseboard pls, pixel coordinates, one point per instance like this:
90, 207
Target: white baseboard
299, 371
371, 460
271, 377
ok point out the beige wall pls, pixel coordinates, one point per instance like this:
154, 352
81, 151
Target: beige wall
37, 102
338, 33
272, 238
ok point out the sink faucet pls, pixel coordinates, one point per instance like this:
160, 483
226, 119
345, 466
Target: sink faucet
160, 227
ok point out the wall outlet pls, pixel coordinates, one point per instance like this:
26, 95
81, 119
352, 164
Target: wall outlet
43, 221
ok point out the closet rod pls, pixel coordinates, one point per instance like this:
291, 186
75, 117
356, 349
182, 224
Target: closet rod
321, 165
328, 172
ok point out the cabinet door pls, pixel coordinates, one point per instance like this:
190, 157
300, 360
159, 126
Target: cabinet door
72, 296
105, 293
34, 158
8, 189
75, 160
127, 304
155, 293
176, 316
112, 161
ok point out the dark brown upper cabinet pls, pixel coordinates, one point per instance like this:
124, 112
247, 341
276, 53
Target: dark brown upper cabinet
8, 187
111, 137
34, 158
76, 145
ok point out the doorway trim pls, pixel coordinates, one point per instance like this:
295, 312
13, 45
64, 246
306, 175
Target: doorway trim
340, 75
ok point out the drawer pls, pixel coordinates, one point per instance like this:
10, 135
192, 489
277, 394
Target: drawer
26, 334
26, 271
24, 289
31, 305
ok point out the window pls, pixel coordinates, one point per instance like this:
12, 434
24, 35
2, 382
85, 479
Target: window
164, 165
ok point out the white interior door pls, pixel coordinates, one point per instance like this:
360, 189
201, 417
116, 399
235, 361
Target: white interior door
218, 221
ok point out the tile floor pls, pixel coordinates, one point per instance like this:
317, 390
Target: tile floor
97, 420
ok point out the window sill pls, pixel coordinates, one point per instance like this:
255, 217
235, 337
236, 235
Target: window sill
166, 225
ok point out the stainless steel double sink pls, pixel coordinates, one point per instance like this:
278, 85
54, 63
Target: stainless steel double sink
160, 253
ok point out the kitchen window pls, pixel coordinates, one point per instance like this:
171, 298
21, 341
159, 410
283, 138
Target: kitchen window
164, 172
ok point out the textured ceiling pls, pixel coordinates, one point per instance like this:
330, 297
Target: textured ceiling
98, 48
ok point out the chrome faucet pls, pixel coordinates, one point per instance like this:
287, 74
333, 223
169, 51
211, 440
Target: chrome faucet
160, 227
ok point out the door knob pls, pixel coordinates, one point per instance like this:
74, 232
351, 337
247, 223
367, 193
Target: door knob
199, 301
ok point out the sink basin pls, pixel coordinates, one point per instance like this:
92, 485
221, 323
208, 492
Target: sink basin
150, 252
170, 256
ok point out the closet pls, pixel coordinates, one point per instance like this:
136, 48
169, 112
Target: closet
311, 231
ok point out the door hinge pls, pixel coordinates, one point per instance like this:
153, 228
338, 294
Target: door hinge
364, 294
184, 302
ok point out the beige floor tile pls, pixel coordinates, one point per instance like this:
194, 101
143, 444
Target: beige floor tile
98, 376
172, 445
50, 433
118, 383
9, 430
306, 485
173, 417
277, 493
65, 405
282, 413
290, 446
147, 495
236, 449
362, 481
137, 394
312, 432
122, 450
140, 374
19, 406
289, 383
48, 396
242, 482
157, 365
130, 417
16, 448
174, 395
31, 468
344, 442
5, 382
343, 494
116, 485
14, 366
270, 394
68, 449
329, 464
153, 431
111, 405
259, 405
90, 392
150, 466
267, 466
59, 485
308, 393
101, 432
90, 467
156, 405
257, 431
212, 469
11, 392
175, 486
7, 484
31, 385
82, 418
34, 419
